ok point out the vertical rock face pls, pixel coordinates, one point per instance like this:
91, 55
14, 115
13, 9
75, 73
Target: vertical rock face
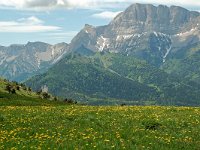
148, 17
19, 62
146, 31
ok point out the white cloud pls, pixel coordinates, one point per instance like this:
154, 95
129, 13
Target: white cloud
62, 35
46, 4
88, 4
106, 15
26, 25
57, 37
31, 20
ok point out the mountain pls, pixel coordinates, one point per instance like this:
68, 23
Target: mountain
85, 78
154, 34
114, 79
144, 31
145, 55
19, 62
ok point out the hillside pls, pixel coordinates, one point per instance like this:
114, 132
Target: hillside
186, 65
169, 86
22, 96
116, 79
86, 79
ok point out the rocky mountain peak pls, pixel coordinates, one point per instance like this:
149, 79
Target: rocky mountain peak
145, 17
146, 31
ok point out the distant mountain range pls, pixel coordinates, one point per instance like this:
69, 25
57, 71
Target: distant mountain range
145, 55
19, 62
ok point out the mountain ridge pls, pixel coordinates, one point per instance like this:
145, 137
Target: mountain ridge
142, 30
19, 62
138, 58
133, 32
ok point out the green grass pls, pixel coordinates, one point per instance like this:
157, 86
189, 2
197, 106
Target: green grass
28, 122
22, 97
87, 127
20, 100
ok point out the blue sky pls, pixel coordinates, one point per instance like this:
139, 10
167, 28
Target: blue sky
55, 21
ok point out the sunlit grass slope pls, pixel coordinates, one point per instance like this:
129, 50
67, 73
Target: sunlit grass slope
23, 97
29, 122
87, 127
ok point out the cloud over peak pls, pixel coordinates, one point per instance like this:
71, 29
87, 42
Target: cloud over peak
86, 4
106, 15
46, 4
26, 25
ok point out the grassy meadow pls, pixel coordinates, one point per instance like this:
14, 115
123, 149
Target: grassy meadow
29, 122
88, 127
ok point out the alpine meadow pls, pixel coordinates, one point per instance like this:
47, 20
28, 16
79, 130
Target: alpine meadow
99, 75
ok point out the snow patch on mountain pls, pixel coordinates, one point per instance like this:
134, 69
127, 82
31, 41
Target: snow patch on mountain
166, 54
59, 58
102, 43
160, 34
52, 53
123, 37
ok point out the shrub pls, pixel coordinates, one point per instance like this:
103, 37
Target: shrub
45, 95
2, 118
18, 88
15, 83
70, 101
8, 88
13, 91
123, 104
39, 92
22, 85
55, 99
24, 88
151, 124
29, 89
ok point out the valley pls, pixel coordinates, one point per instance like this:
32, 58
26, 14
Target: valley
137, 59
